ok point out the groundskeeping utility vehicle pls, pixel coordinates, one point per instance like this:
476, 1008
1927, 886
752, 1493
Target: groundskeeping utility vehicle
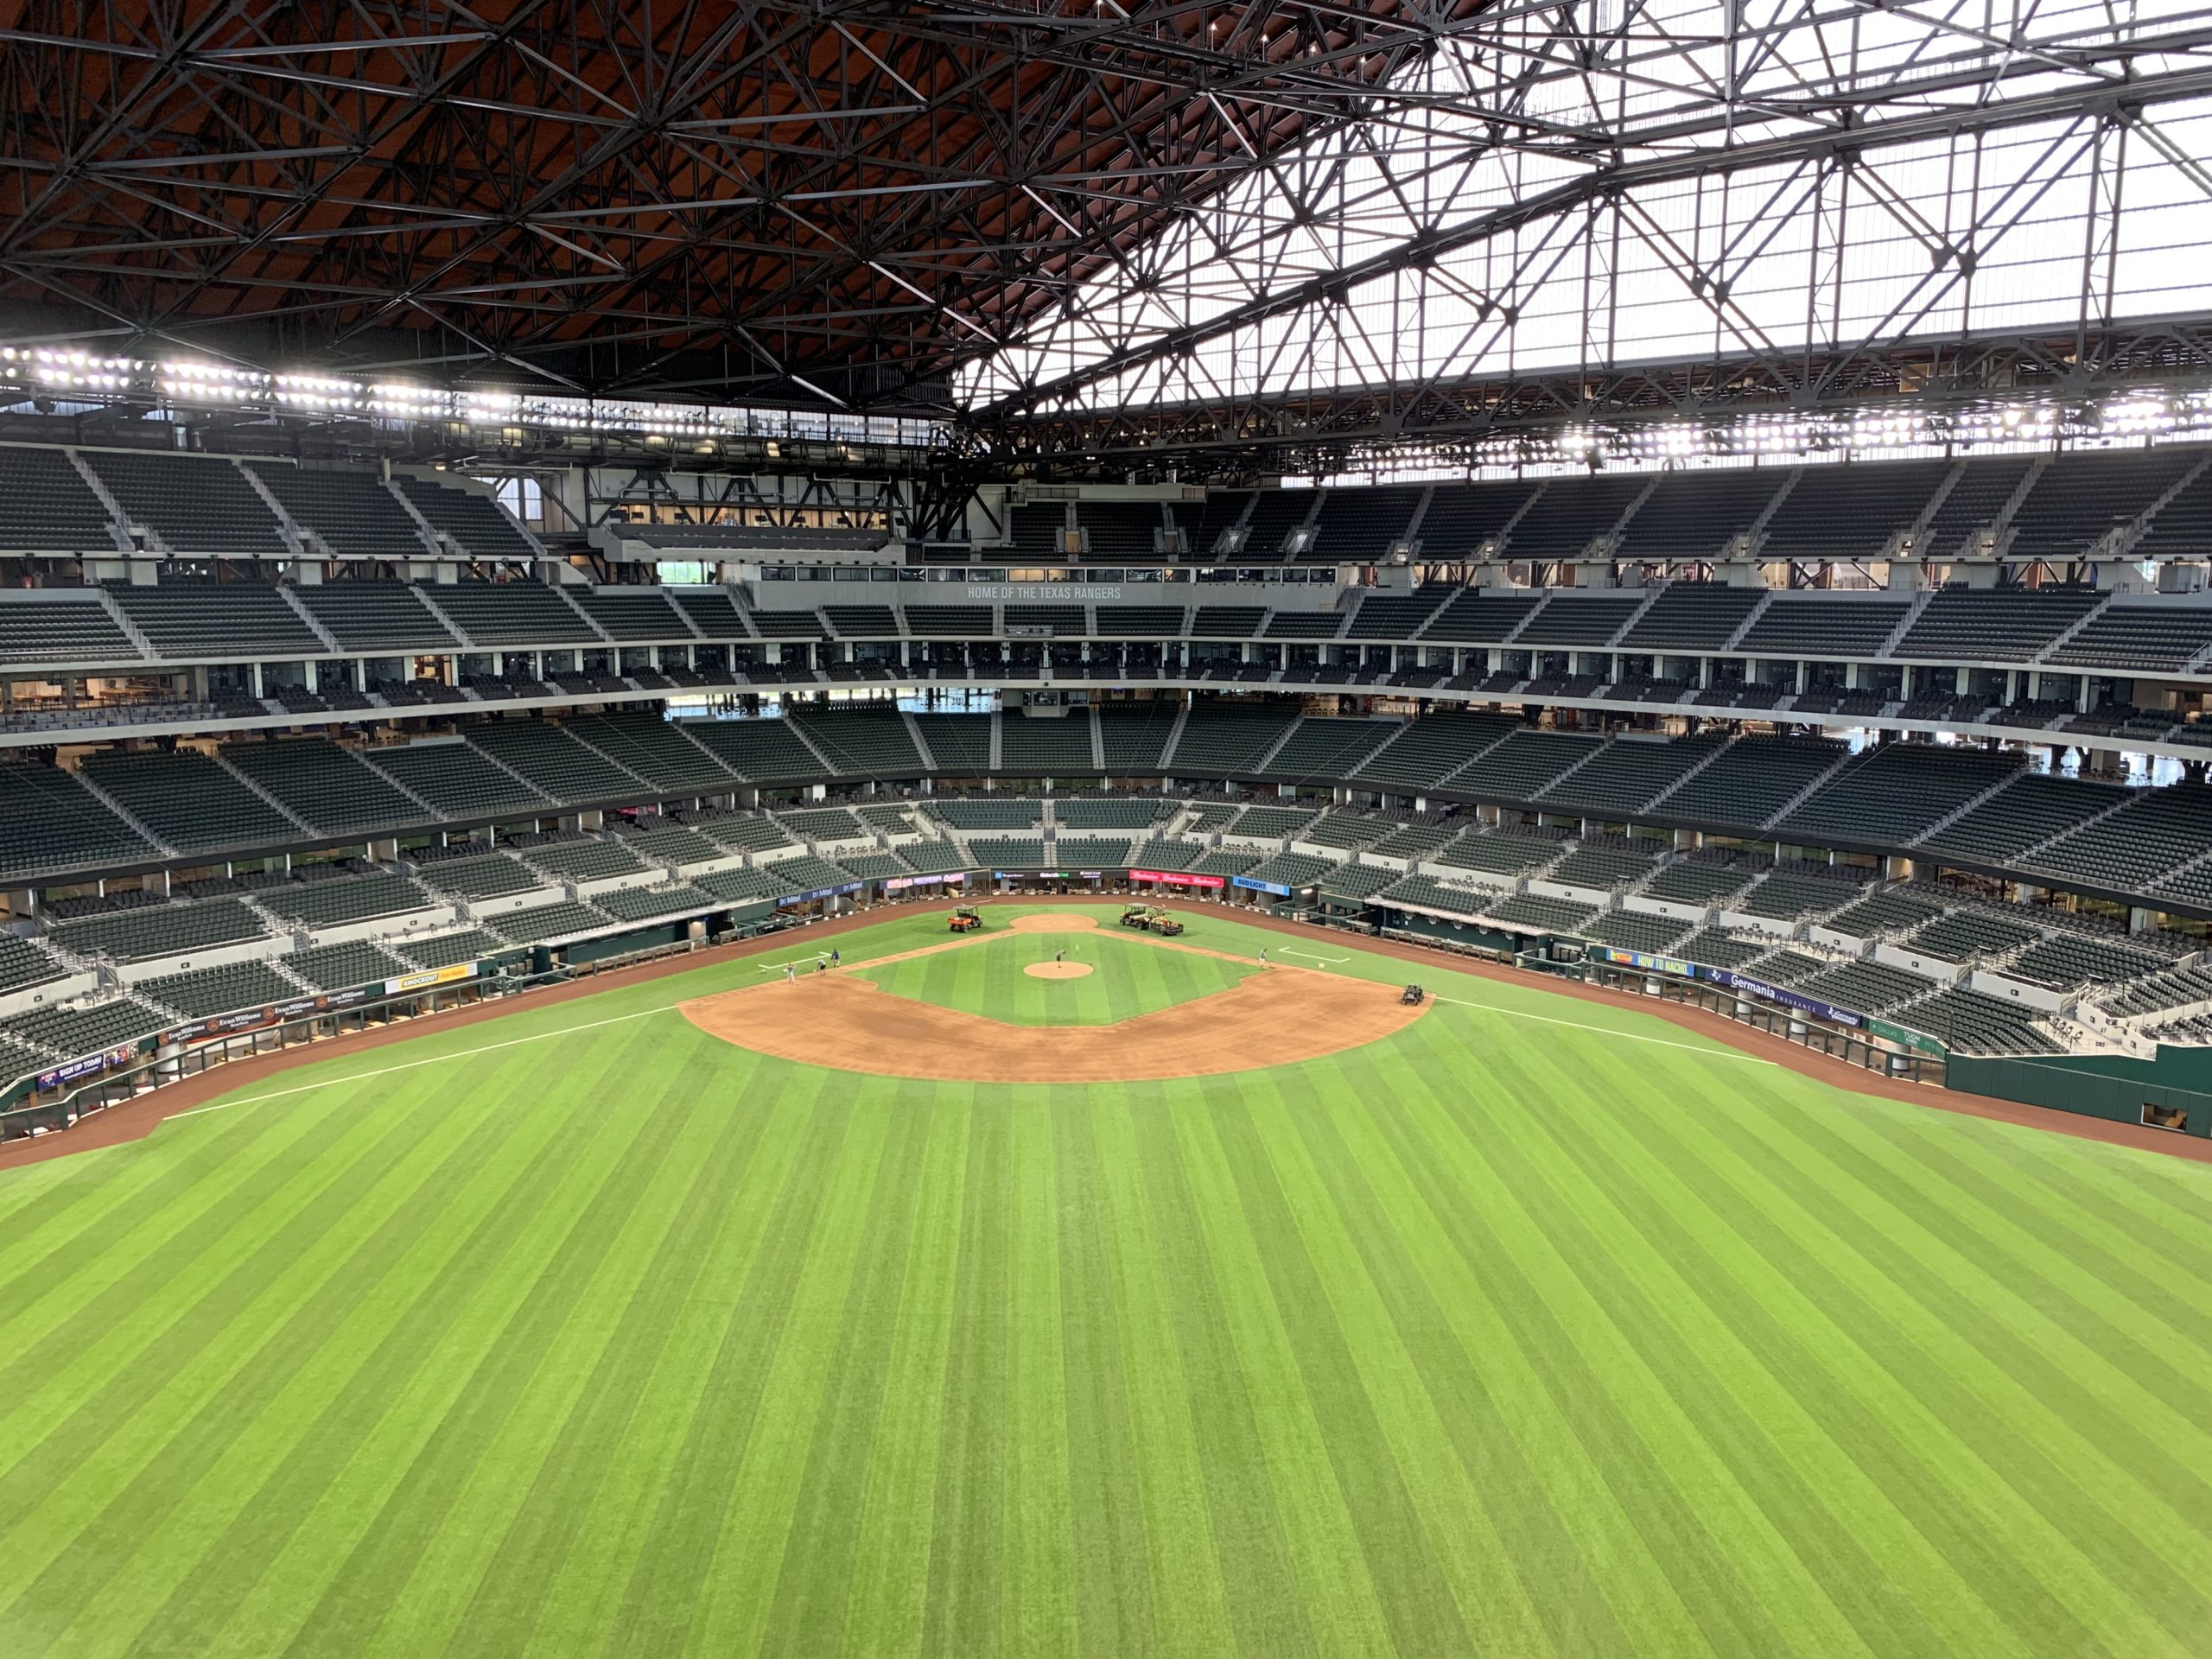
1152, 920
963, 920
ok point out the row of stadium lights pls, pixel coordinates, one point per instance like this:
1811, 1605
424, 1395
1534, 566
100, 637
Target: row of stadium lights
214, 384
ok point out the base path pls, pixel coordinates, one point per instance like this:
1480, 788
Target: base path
1278, 1018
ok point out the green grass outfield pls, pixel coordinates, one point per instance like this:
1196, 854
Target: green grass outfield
1543, 1328
1130, 976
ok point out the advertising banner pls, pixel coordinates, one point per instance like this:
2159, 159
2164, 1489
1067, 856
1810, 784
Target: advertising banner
1735, 981
1650, 964
431, 976
821, 892
900, 883
87, 1065
1919, 1040
1250, 886
1177, 878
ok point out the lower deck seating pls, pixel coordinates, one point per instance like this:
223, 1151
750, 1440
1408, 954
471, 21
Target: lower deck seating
206, 991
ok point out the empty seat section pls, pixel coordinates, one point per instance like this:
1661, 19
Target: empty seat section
654, 748
1972, 505
230, 620
960, 744
458, 781
1697, 514
1162, 622
786, 623
24, 966
1133, 737
2139, 637
50, 822
478, 522
713, 612
1396, 616
949, 621
1523, 765
1359, 526
1035, 531
2138, 848
1478, 616
336, 901
1121, 530
1227, 621
1631, 774
1895, 793
1755, 778
869, 741
2079, 499
197, 506
50, 508
1851, 510
756, 749
1839, 625
204, 992
190, 802
1569, 618
352, 515
1274, 515
325, 786
1324, 747
861, 621
1423, 754
511, 613
553, 762
61, 631
2029, 809
1993, 624
1035, 747
639, 614
72, 1032
337, 967
152, 931
376, 616
1692, 616
2183, 527
1570, 514
1227, 739
1202, 527
1303, 625
1462, 517
556, 921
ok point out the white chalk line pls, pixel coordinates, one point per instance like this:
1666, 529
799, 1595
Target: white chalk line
410, 1065
1718, 1053
1310, 956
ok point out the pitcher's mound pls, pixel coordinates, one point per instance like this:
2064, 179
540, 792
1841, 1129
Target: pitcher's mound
1056, 970
1058, 921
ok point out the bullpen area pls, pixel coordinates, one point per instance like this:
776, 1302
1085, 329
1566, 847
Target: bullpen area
921, 1302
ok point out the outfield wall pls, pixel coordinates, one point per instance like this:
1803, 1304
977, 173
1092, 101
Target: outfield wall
2115, 1087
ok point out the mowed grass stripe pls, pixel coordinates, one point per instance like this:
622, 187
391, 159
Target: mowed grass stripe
304, 1435
511, 1597
208, 1435
2092, 1477
348, 1557
813, 1584
671, 1565
1803, 1490
439, 1534
1258, 1582
1190, 1599
622, 1497
1037, 1602
1938, 1449
1116, 1613
1409, 1511
1342, 1612
894, 1524
1130, 975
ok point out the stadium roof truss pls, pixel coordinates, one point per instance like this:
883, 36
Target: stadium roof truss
1097, 224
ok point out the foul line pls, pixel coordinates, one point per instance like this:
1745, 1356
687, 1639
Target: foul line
410, 1065
1718, 1053
1288, 951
